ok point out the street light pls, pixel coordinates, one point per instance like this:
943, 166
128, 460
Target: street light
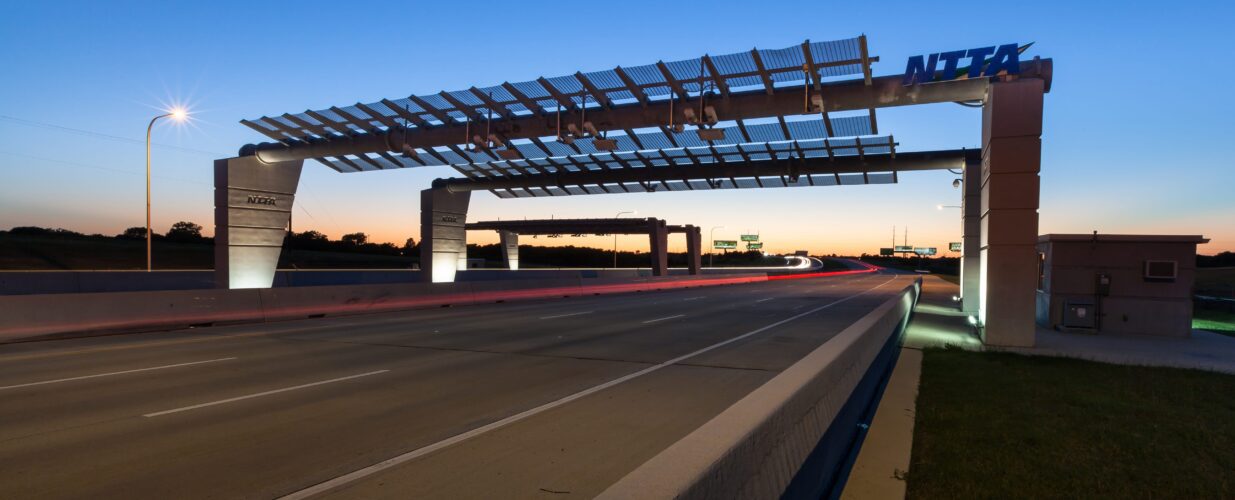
941, 207
177, 114
712, 252
619, 214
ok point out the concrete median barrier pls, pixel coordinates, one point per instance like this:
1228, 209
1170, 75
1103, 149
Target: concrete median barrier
40, 316
32, 317
758, 446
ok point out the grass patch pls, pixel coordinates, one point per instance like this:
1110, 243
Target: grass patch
1213, 320
999, 425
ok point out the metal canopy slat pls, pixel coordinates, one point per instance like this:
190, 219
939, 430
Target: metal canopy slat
431, 110
631, 86
523, 99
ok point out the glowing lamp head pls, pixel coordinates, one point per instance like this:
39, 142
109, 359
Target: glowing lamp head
179, 114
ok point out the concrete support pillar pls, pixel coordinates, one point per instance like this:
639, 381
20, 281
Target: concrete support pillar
658, 234
694, 254
252, 208
443, 238
971, 244
1011, 160
510, 249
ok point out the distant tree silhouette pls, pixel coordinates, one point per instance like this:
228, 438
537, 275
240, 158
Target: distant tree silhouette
133, 233
184, 231
358, 239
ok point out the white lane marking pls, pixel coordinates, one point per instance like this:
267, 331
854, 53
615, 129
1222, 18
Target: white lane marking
764, 300
458, 438
696, 298
260, 394
113, 373
567, 315
664, 318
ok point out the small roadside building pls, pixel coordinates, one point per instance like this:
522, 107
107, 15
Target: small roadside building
1117, 283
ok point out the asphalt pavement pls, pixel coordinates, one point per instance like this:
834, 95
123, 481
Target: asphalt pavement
544, 399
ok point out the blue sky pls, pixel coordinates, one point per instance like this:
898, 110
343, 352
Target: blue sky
1136, 133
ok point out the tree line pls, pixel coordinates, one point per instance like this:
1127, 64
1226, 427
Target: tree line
190, 232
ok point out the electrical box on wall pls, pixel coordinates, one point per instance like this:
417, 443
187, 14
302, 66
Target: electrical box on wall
1079, 313
1102, 284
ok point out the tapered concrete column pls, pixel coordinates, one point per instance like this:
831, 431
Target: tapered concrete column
252, 207
694, 254
971, 244
1011, 160
510, 249
658, 235
443, 238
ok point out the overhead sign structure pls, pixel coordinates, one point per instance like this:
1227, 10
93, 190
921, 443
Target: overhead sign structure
750, 237
1004, 58
925, 250
886, 251
754, 246
903, 249
725, 244
954, 246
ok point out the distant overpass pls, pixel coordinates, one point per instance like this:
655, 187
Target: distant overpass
656, 229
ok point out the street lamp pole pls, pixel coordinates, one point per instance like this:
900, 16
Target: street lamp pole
712, 251
619, 214
177, 114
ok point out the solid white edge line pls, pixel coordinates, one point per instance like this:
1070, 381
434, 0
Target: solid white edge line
84, 377
664, 318
425, 450
266, 393
764, 300
567, 315
696, 298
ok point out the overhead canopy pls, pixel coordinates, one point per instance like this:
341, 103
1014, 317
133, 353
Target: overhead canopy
489, 145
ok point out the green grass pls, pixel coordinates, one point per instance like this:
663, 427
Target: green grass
1215, 321
999, 425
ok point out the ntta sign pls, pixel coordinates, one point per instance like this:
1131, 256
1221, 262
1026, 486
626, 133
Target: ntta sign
983, 62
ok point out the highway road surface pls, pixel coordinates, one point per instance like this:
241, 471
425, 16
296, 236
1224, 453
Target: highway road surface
546, 399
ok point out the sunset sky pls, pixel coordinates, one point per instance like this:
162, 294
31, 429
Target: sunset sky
1137, 127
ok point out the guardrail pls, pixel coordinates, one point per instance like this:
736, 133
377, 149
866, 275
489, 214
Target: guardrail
796, 435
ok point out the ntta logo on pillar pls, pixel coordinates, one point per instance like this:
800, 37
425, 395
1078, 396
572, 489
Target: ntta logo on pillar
983, 62
255, 199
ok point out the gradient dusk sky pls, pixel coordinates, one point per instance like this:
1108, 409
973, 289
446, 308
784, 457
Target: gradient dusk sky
1137, 128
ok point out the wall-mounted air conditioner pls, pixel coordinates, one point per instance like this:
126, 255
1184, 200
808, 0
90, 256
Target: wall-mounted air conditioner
1161, 270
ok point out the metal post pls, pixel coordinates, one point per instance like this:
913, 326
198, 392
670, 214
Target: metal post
712, 251
619, 214
149, 128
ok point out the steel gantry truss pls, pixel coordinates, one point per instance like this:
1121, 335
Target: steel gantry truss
665, 114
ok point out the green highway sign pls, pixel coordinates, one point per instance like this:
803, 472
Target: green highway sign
724, 244
903, 249
750, 237
925, 250
886, 251
955, 246
754, 246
